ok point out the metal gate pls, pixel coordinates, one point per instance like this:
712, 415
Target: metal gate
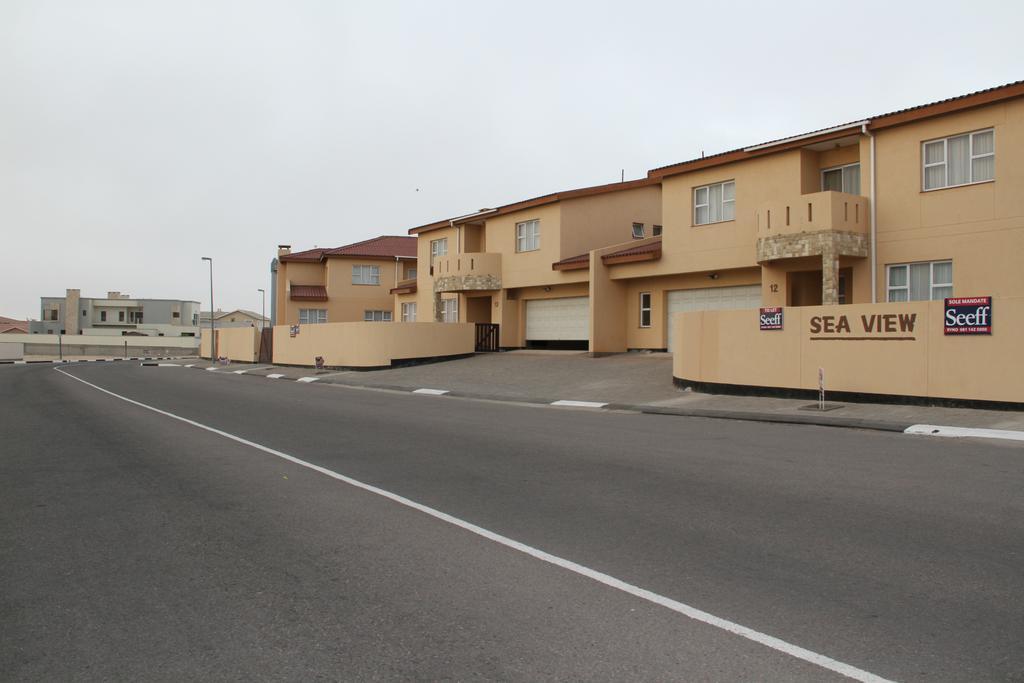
266, 345
486, 337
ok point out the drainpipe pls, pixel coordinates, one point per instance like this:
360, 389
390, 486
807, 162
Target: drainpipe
874, 232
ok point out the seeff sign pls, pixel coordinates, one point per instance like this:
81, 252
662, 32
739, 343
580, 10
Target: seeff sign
771, 318
968, 315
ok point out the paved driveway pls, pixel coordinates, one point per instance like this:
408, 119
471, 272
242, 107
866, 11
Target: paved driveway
631, 377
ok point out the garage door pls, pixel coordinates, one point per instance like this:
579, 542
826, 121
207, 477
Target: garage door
558, 319
711, 299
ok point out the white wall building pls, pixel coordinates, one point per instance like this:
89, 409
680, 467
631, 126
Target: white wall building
116, 315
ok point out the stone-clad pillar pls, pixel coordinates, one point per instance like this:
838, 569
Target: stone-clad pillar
438, 308
829, 273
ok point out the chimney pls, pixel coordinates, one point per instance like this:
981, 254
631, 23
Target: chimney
284, 249
113, 295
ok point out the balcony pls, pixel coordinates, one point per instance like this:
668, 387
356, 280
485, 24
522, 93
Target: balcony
467, 272
820, 223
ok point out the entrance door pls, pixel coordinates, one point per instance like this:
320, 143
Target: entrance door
711, 299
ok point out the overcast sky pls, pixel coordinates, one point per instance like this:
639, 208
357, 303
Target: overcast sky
136, 136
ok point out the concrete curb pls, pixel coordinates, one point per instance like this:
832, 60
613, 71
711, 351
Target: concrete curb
748, 416
87, 360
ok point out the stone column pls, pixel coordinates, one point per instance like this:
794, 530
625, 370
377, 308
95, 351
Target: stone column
829, 274
438, 308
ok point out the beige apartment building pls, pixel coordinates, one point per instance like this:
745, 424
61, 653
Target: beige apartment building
518, 266
918, 204
352, 283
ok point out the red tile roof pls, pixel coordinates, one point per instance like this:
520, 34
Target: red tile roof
643, 252
572, 263
309, 293
386, 245
308, 255
893, 118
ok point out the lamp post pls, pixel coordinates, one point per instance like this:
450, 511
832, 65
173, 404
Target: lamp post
213, 336
263, 311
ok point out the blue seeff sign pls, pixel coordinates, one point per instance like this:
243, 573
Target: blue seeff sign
968, 315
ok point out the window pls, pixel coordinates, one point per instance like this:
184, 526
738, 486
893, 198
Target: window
841, 179
120, 316
645, 309
366, 275
135, 316
312, 316
103, 316
410, 274
959, 160
528, 235
409, 313
920, 281
450, 310
84, 313
714, 203
438, 248
638, 231
176, 314
377, 316
195, 318
656, 231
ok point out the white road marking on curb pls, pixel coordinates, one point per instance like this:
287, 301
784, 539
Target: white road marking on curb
960, 432
275, 376
431, 392
307, 380
169, 365
21, 362
580, 404
190, 365
239, 372
211, 369
686, 610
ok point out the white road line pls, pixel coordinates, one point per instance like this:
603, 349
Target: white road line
686, 610
307, 380
960, 432
211, 369
239, 372
169, 365
431, 392
21, 362
275, 376
579, 404
190, 365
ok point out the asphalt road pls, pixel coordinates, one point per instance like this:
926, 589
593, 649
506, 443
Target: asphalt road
134, 546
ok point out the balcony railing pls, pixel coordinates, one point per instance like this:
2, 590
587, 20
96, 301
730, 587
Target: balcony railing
468, 271
816, 212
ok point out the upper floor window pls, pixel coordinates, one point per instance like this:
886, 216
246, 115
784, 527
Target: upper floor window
959, 160
841, 179
920, 281
410, 274
310, 316
366, 275
103, 316
377, 316
528, 235
638, 231
655, 231
438, 248
714, 203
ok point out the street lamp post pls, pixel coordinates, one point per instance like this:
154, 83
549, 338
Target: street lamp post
213, 336
263, 311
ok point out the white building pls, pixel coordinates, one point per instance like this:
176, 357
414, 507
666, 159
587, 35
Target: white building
116, 315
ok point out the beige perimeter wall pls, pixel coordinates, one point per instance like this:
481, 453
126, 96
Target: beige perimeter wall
727, 347
237, 343
368, 345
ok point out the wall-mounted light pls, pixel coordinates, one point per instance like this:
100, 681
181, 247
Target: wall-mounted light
713, 276
547, 289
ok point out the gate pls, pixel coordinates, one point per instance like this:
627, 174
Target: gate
266, 345
486, 337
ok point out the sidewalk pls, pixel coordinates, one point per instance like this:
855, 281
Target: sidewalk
638, 382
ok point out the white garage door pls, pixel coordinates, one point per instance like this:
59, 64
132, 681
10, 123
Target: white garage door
711, 299
558, 319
